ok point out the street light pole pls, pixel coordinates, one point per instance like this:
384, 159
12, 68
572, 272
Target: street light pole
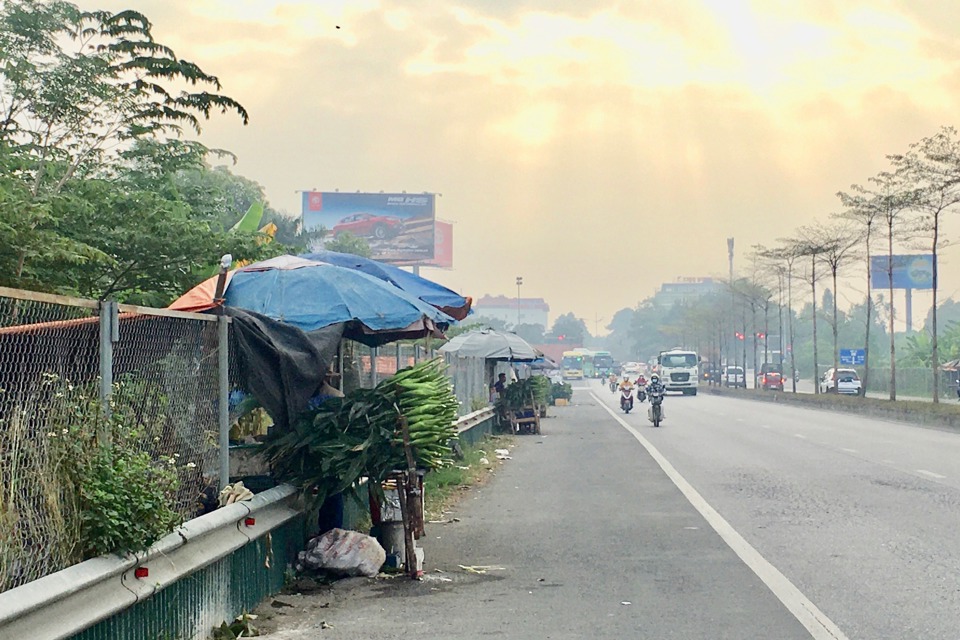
519, 282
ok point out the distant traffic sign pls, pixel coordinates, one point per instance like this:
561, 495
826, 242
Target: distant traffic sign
853, 356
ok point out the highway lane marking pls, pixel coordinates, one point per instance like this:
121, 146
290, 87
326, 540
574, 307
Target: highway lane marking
807, 613
800, 435
930, 474
848, 450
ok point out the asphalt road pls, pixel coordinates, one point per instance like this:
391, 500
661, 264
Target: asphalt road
735, 519
860, 514
587, 538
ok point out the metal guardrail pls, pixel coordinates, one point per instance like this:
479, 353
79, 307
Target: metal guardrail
63, 603
67, 602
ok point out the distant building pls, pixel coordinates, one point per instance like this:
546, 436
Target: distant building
532, 310
684, 290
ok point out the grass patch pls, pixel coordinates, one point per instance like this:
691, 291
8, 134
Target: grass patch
442, 487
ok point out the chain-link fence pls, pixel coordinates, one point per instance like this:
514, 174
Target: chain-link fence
471, 381
60, 358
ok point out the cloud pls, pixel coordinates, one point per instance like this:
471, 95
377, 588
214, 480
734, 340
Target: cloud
596, 148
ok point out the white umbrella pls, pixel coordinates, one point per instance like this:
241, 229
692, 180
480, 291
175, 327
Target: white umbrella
492, 345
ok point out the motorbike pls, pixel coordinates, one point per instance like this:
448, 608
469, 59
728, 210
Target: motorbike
613, 386
655, 412
641, 395
626, 400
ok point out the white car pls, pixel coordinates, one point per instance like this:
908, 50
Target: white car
733, 376
845, 381
632, 369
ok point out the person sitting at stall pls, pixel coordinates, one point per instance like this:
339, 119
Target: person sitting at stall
499, 385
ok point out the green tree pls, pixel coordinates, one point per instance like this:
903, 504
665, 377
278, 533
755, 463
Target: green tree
571, 327
932, 166
70, 116
532, 333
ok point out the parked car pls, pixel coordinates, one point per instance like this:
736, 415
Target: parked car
367, 225
770, 377
845, 381
733, 376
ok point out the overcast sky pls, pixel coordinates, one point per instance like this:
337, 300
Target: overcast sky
596, 148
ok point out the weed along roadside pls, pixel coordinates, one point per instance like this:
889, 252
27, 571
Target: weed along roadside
306, 598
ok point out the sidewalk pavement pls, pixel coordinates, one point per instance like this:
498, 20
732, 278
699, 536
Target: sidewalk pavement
583, 536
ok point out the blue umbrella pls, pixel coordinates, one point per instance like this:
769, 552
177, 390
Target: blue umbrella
310, 295
450, 302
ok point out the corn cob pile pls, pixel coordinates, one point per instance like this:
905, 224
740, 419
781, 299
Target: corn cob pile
330, 448
424, 395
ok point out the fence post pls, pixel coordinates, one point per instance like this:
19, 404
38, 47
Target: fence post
223, 377
109, 334
374, 354
399, 356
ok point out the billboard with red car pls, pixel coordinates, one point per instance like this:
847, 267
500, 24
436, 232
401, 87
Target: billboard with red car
399, 227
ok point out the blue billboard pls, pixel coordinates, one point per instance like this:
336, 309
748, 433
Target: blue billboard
397, 226
909, 272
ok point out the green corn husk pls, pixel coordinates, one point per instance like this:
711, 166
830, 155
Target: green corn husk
327, 450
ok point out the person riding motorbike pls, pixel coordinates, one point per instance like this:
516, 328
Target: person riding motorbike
626, 394
641, 388
612, 382
655, 384
656, 388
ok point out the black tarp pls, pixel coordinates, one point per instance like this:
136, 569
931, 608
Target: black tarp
281, 365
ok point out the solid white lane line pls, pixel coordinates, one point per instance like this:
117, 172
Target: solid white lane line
800, 435
848, 450
814, 620
930, 474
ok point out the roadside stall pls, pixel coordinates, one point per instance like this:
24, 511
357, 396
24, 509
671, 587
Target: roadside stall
521, 404
291, 316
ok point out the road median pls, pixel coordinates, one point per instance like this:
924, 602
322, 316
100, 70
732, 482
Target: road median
912, 411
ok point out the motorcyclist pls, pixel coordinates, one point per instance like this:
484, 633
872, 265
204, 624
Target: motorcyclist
655, 384
641, 388
656, 387
626, 385
612, 381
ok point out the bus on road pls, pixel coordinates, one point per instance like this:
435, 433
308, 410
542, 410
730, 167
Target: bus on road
588, 368
602, 364
572, 365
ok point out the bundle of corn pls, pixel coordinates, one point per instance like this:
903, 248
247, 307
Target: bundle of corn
424, 396
525, 393
541, 389
329, 448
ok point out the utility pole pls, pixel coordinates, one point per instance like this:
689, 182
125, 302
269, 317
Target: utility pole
733, 302
519, 282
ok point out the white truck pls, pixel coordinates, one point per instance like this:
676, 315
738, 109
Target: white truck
679, 370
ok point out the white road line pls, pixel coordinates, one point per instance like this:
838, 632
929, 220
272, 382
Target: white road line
930, 474
815, 621
765, 426
800, 435
848, 450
